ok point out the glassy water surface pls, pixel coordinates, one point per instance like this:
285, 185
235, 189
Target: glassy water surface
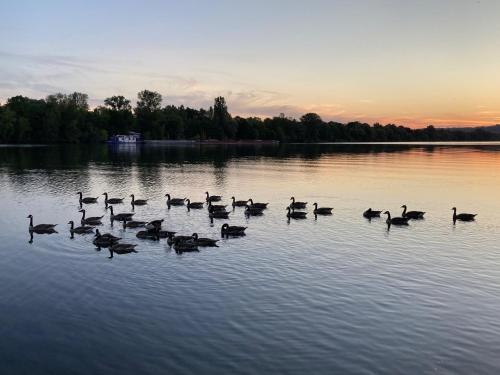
338, 294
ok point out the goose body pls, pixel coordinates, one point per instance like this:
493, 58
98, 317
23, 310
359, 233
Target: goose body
322, 210
462, 216
93, 220
412, 214
121, 216
106, 235
257, 204
297, 205
253, 211
101, 241
216, 207
395, 220
133, 223
204, 242
138, 202
111, 200
154, 224
232, 230
295, 214
86, 199
172, 239
238, 203
152, 234
40, 227
213, 198
121, 248
81, 229
369, 213
194, 205
174, 201
185, 246
218, 214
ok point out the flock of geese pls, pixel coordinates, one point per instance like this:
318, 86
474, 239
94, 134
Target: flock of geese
152, 230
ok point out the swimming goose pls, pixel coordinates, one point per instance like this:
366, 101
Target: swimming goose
297, 205
111, 200
463, 216
295, 214
93, 220
218, 214
213, 198
174, 201
193, 205
395, 220
204, 242
412, 214
121, 248
86, 199
238, 203
253, 211
186, 246
233, 230
101, 241
121, 216
106, 235
81, 229
369, 213
154, 224
133, 223
150, 234
40, 227
173, 239
322, 210
138, 202
216, 207
257, 204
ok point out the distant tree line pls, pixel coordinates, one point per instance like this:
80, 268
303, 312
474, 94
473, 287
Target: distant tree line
66, 118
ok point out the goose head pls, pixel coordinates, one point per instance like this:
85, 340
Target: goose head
168, 196
105, 194
315, 205
29, 217
454, 209
292, 199
111, 210
195, 236
225, 226
188, 201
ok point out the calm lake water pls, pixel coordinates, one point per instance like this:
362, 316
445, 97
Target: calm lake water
334, 295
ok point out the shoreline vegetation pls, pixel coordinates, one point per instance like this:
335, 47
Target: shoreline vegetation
67, 118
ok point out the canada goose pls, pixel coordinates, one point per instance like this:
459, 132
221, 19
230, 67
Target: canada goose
119, 217
218, 214
233, 230
253, 211
412, 214
133, 223
111, 200
151, 234
174, 201
463, 216
216, 207
297, 205
369, 213
80, 230
93, 220
121, 248
213, 198
257, 204
322, 210
173, 239
101, 241
154, 224
40, 228
204, 242
138, 202
106, 235
86, 199
193, 205
395, 220
238, 203
295, 214
185, 246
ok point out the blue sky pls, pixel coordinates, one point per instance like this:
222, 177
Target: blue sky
410, 62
